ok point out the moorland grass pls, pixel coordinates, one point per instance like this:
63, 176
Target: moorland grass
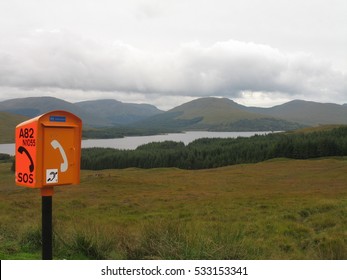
279, 209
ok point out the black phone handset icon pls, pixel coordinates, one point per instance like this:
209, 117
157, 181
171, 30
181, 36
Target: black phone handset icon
21, 149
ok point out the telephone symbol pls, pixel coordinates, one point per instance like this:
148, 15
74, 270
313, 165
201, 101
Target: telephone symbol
64, 165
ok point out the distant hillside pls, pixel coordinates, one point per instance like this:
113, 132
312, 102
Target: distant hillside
213, 110
306, 112
98, 113
225, 114
34, 106
8, 123
217, 114
119, 113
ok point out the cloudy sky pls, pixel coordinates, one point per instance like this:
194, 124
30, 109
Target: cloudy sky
166, 52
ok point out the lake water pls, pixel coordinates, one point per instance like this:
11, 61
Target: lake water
131, 143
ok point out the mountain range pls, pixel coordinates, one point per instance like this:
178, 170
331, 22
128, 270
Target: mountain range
98, 113
116, 113
218, 114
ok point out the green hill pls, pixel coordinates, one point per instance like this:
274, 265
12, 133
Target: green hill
95, 113
217, 114
8, 122
306, 112
214, 110
118, 113
34, 106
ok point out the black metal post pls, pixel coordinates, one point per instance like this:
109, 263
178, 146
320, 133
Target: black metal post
47, 252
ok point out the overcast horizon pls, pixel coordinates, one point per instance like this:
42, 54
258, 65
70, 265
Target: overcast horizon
165, 53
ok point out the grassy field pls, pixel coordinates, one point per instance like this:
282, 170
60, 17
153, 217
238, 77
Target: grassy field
279, 209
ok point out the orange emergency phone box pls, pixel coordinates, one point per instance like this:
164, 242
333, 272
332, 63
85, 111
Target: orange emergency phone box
48, 150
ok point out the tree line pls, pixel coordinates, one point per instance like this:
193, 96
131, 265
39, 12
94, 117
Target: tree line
216, 152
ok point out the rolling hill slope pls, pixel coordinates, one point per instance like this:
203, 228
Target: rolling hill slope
98, 113
119, 113
8, 122
218, 114
306, 112
34, 106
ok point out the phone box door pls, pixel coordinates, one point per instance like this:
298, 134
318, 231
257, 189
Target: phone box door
61, 164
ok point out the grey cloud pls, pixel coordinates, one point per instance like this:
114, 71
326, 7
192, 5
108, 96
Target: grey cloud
57, 59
